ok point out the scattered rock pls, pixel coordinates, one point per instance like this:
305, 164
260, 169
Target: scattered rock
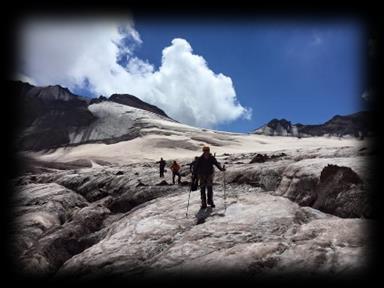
259, 158
141, 184
277, 156
162, 183
185, 183
97, 194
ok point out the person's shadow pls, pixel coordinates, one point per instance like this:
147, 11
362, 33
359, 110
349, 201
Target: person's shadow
202, 214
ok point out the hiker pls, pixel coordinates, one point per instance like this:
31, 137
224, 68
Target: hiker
162, 165
192, 168
205, 172
175, 171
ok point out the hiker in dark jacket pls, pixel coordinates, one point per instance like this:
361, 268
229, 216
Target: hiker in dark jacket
205, 172
192, 168
162, 165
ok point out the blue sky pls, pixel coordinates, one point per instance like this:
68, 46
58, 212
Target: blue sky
304, 72
212, 74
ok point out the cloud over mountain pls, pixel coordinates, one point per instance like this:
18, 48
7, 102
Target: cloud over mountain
88, 55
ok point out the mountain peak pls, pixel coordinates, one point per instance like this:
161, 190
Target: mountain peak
133, 101
356, 124
283, 122
277, 127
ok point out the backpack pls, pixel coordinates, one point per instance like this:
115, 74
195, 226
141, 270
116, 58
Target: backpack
194, 184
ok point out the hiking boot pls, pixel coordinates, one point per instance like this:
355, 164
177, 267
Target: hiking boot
204, 206
210, 203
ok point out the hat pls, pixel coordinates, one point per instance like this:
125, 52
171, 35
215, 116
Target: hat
206, 148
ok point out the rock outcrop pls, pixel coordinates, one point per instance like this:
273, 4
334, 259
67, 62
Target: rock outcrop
330, 185
341, 192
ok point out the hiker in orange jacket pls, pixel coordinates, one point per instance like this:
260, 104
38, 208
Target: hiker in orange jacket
175, 168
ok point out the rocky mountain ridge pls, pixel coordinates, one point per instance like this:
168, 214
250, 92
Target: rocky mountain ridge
53, 117
354, 125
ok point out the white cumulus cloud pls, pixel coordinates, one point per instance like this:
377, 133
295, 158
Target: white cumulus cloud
86, 54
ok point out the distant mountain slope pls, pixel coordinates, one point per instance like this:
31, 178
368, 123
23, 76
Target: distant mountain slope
357, 125
52, 117
47, 115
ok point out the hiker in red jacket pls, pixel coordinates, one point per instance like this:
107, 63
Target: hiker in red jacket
175, 168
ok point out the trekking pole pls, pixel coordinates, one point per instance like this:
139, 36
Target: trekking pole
225, 196
189, 195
